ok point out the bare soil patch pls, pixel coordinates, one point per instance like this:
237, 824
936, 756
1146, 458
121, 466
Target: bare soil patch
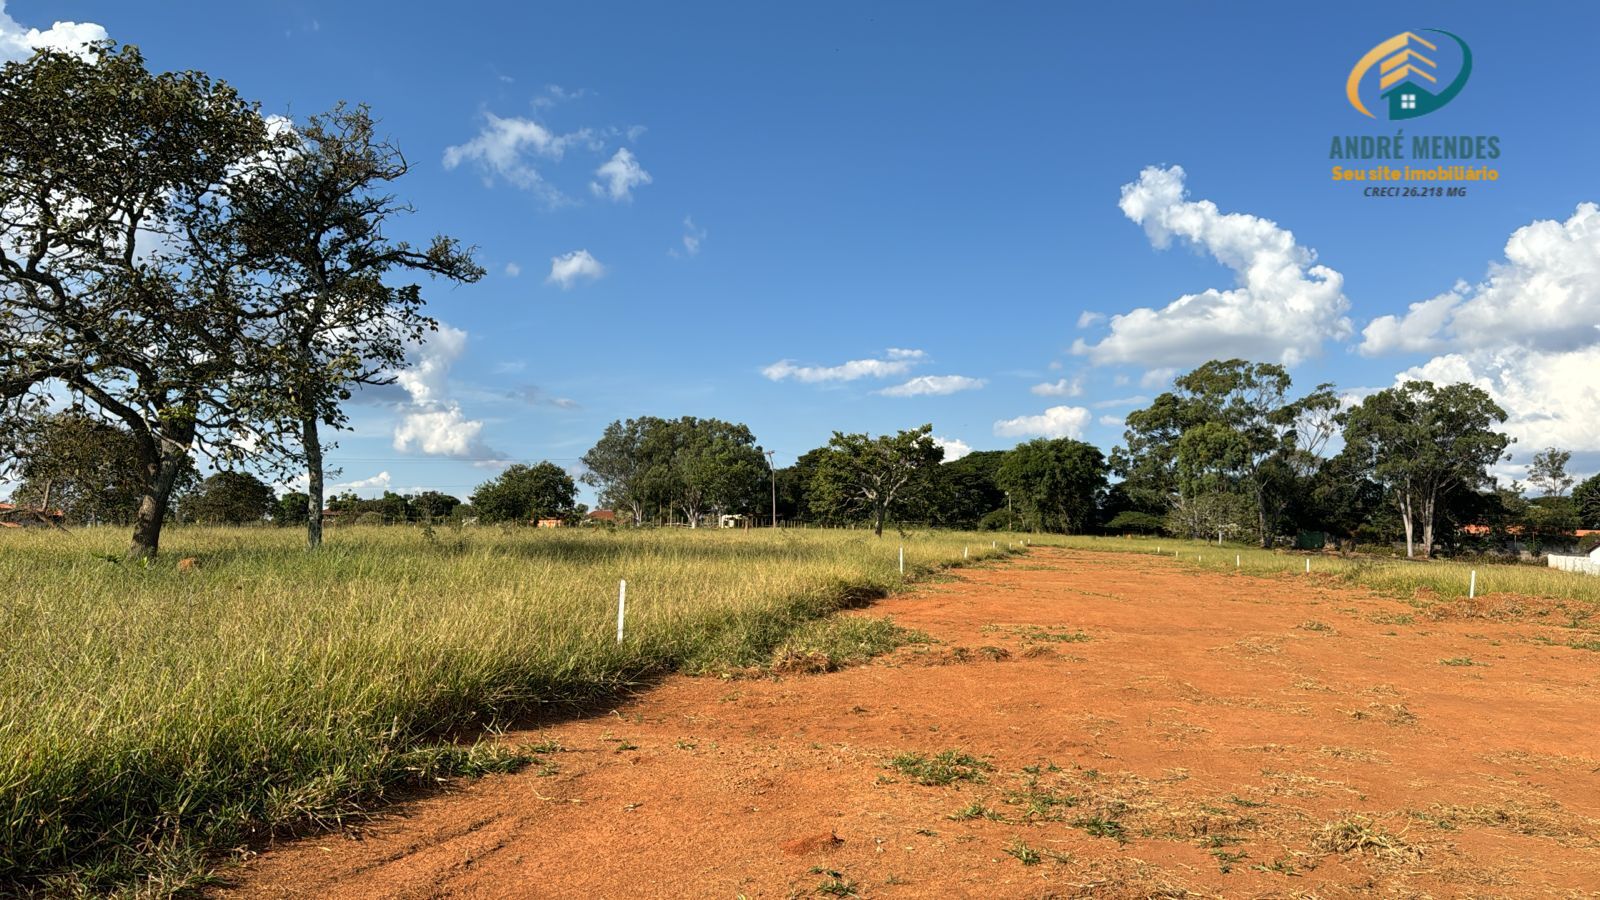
1089, 724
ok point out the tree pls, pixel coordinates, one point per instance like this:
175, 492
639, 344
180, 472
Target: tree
1229, 426
527, 493
1587, 497
1548, 473
619, 463
110, 180
711, 465
430, 505
1057, 484
965, 490
291, 509
794, 484
863, 474
229, 498
310, 221
85, 467
1421, 441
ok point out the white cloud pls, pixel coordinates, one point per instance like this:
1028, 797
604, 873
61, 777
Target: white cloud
424, 378
1545, 295
1552, 397
513, 270
566, 269
1055, 422
1135, 400
433, 423
1059, 388
693, 236
1113, 421
954, 448
508, 148
18, 43
1156, 378
933, 385
1528, 334
1283, 308
377, 483
620, 174
439, 431
898, 363
1087, 318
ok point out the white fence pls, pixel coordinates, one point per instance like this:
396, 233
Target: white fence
1584, 564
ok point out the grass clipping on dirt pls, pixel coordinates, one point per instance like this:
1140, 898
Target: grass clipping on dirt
150, 715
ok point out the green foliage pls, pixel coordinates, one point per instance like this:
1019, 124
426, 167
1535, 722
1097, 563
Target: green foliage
83, 466
525, 494
1056, 484
688, 465
229, 498
867, 476
1548, 472
117, 286
1227, 428
1421, 442
291, 509
1136, 522
965, 490
1587, 497
943, 768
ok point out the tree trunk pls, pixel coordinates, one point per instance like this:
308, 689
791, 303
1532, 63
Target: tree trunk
1405, 519
1427, 527
311, 442
152, 513
877, 521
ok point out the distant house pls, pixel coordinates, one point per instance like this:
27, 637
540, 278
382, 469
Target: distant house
732, 520
550, 522
13, 516
602, 515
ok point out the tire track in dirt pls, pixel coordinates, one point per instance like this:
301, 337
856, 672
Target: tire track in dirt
1152, 729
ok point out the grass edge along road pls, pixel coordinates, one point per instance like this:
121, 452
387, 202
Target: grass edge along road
152, 716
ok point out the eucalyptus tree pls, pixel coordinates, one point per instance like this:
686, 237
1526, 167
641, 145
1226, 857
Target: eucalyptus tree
112, 292
1228, 427
1420, 442
309, 222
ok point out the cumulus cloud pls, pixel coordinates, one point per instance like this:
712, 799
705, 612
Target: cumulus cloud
1545, 295
898, 362
510, 148
1528, 334
1055, 422
1060, 388
954, 448
1283, 308
513, 270
618, 176
933, 385
18, 43
377, 483
1088, 319
568, 268
433, 423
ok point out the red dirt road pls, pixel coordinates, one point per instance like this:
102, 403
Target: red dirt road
1212, 735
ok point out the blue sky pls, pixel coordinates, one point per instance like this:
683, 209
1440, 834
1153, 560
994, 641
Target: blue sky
959, 198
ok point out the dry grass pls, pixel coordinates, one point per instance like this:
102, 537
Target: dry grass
151, 714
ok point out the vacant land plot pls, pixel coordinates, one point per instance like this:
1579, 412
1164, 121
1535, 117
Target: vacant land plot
152, 714
1079, 723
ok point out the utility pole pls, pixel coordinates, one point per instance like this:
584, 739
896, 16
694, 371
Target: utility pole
774, 470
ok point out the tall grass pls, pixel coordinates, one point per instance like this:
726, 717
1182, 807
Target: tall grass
1442, 579
150, 715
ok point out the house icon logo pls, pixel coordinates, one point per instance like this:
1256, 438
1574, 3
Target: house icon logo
1408, 75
